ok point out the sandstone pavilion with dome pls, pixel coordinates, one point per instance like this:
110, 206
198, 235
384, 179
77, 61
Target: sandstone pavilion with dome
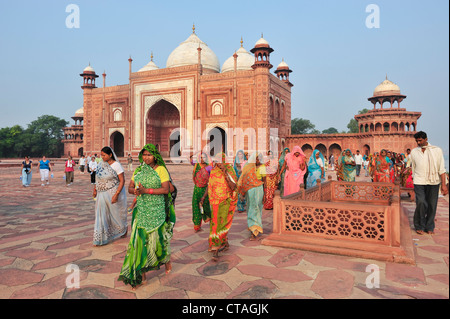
192, 96
197, 99
385, 126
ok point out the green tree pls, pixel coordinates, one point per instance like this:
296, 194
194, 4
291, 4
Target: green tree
8, 138
330, 130
42, 137
302, 126
353, 124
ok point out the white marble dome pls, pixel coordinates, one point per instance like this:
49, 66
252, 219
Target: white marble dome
149, 66
245, 60
283, 65
89, 68
386, 88
186, 54
261, 41
79, 112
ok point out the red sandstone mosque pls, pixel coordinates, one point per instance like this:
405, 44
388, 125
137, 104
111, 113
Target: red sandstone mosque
193, 102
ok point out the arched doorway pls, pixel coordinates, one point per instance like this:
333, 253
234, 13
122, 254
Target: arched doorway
366, 150
307, 149
117, 143
162, 119
322, 149
335, 149
80, 151
175, 146
217, 138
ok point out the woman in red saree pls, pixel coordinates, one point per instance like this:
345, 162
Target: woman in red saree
381, 168
223, 200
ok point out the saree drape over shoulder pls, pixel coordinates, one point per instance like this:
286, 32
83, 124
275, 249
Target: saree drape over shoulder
110, 219
381, 169
250, 186
294, 175
201, 178
314, 169
152, 227
346, 171
223, 203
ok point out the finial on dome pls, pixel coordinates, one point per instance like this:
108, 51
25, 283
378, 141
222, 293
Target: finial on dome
386, 76
262, 35
242, 43
151, 56
193, 28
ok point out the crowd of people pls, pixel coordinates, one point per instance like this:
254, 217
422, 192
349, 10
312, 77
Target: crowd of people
384, 166
221, 188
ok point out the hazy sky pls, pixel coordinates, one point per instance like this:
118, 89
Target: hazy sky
337, 61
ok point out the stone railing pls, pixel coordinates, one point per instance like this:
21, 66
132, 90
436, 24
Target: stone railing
349, 218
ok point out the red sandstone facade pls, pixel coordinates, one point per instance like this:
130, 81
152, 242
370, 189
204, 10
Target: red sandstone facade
185, 102
189, 104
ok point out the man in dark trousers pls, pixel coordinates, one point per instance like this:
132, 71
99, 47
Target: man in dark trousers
427, 162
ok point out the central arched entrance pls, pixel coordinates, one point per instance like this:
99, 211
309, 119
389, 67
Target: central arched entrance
117, 143
217, 138
162, 119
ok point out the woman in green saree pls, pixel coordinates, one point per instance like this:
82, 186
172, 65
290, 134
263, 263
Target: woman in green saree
153, 219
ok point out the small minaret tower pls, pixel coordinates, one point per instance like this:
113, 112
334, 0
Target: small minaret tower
262, 52
89, 77
282, 72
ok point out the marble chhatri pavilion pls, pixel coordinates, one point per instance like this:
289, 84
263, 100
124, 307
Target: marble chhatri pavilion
194, 98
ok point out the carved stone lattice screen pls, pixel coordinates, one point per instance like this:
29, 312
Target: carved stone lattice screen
332, 222
362, 192
348, 218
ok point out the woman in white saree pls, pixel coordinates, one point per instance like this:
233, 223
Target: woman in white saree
111, 203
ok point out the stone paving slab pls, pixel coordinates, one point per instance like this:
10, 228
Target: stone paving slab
44, 230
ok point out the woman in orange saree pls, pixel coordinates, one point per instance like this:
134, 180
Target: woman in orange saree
223, 200
271, 180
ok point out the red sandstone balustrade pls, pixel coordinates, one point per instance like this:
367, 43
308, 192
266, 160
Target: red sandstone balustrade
348, 218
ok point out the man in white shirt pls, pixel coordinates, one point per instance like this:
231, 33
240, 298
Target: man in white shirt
93, 169
427, 163
358, 162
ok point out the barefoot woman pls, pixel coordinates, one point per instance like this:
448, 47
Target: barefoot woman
153, 219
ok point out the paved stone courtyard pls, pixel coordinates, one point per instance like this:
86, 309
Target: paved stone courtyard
45, 230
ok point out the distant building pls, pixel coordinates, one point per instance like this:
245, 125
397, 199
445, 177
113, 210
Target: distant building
391, 128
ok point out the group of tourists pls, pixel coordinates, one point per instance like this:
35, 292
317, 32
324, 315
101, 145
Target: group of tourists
221, 188
45, 169
246, 184
384, 166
